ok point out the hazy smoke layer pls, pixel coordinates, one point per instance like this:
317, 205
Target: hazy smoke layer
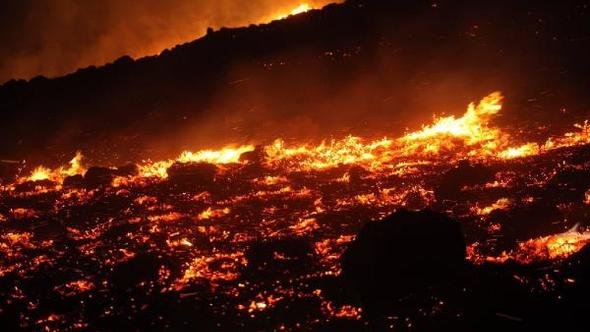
53, 37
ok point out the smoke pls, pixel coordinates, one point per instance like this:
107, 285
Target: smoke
54, 37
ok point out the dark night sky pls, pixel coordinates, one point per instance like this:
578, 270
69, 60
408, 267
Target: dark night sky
53, 37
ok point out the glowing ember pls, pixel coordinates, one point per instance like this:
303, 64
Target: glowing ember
213, 213
552, 247
500, 204
230, 215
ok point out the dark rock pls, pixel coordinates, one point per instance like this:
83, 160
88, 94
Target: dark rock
193, 175
127, 170
75, 181
406, 254
256, 156
98, 177
143, 267
405, 251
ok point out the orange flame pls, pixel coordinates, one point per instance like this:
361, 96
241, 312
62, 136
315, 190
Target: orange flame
471, 136
59, 174
302, 8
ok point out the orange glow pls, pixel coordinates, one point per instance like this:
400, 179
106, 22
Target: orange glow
219, 229
471, 136
472, 129
446, 141
553, 247
213, 213
500, 204
302, 8
59, 174
225, 155
529, 149
200, 268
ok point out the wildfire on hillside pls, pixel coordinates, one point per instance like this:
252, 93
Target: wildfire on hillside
204, 210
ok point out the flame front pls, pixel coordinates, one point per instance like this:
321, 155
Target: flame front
471, 136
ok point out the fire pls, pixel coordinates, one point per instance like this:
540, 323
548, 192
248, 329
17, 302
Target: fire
200, 268
75, 287
582, 136
57, 175
552, 247
500, 204
300, 9
350, 150
281, 190
529, 149
472, 128
471, 136
213, 213
225, 155
40, 173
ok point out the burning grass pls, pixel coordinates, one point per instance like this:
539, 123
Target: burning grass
215, 224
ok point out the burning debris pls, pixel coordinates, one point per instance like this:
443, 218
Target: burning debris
248, 233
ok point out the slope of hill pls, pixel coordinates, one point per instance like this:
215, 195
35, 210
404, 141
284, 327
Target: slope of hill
363, 66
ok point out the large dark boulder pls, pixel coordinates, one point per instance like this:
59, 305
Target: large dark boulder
193, 175
127, 170
74, 181
406, 255
404, 252
96, 177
